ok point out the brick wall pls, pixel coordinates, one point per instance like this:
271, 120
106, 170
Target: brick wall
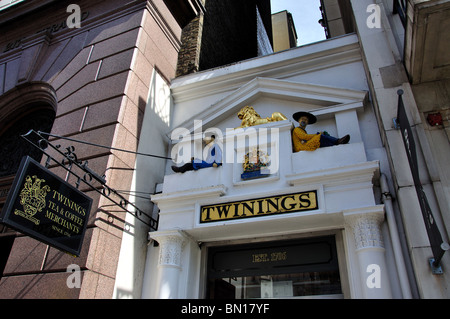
189, 55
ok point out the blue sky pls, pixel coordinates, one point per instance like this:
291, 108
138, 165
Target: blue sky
306, 15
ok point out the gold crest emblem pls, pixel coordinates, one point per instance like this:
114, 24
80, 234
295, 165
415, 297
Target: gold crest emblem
256, 164
32, 198
255, 160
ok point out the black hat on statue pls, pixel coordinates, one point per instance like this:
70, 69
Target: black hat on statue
311, 118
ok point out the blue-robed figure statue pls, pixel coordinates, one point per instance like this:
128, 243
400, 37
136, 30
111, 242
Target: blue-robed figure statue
213, 159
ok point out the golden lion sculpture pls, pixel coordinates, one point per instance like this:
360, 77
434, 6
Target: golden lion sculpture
250, 117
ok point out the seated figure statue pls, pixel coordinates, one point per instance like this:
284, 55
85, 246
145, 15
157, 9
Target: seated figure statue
213, 159
250, 117
303, 141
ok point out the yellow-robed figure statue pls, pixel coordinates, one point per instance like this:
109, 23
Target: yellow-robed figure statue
302, 141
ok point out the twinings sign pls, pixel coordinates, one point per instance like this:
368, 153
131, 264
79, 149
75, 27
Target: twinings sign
43, 206
281, 204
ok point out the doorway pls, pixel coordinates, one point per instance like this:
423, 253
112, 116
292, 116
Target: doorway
302, 268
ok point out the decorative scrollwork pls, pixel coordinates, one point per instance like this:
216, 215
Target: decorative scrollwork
70, 157
81, 172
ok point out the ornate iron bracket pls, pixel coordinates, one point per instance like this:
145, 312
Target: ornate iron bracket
88, 176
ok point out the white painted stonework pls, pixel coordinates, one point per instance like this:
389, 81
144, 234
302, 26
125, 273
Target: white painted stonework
345, 177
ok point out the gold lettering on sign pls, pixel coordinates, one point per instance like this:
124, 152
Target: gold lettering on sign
278, 256
259, 207
65, 212
32, 198
272, 257
260, 258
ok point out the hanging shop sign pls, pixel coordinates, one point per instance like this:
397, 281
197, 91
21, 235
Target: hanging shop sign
259, 207
45, 207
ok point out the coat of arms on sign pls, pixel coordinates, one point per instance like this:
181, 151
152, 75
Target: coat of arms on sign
256, 163
32, 198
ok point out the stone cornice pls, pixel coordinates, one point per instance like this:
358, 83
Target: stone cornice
183, 197
318, 96
344, 174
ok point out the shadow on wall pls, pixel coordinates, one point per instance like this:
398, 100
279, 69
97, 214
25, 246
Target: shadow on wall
149, 171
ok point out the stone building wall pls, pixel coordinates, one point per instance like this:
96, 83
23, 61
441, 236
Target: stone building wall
100, 74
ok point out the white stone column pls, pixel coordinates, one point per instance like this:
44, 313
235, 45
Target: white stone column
366, 227
171, 244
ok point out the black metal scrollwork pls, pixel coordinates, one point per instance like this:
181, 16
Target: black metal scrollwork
82, 173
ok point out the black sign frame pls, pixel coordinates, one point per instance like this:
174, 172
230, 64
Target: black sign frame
271, 258
434, 235
45, 207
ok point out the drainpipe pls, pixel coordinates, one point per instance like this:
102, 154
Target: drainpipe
393, 232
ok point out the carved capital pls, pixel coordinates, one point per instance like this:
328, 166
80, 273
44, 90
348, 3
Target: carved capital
171, 246
366, 226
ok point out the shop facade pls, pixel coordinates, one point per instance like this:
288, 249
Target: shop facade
344, 221
312, 224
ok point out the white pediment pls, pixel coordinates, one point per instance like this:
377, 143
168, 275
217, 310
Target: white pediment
322, 101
